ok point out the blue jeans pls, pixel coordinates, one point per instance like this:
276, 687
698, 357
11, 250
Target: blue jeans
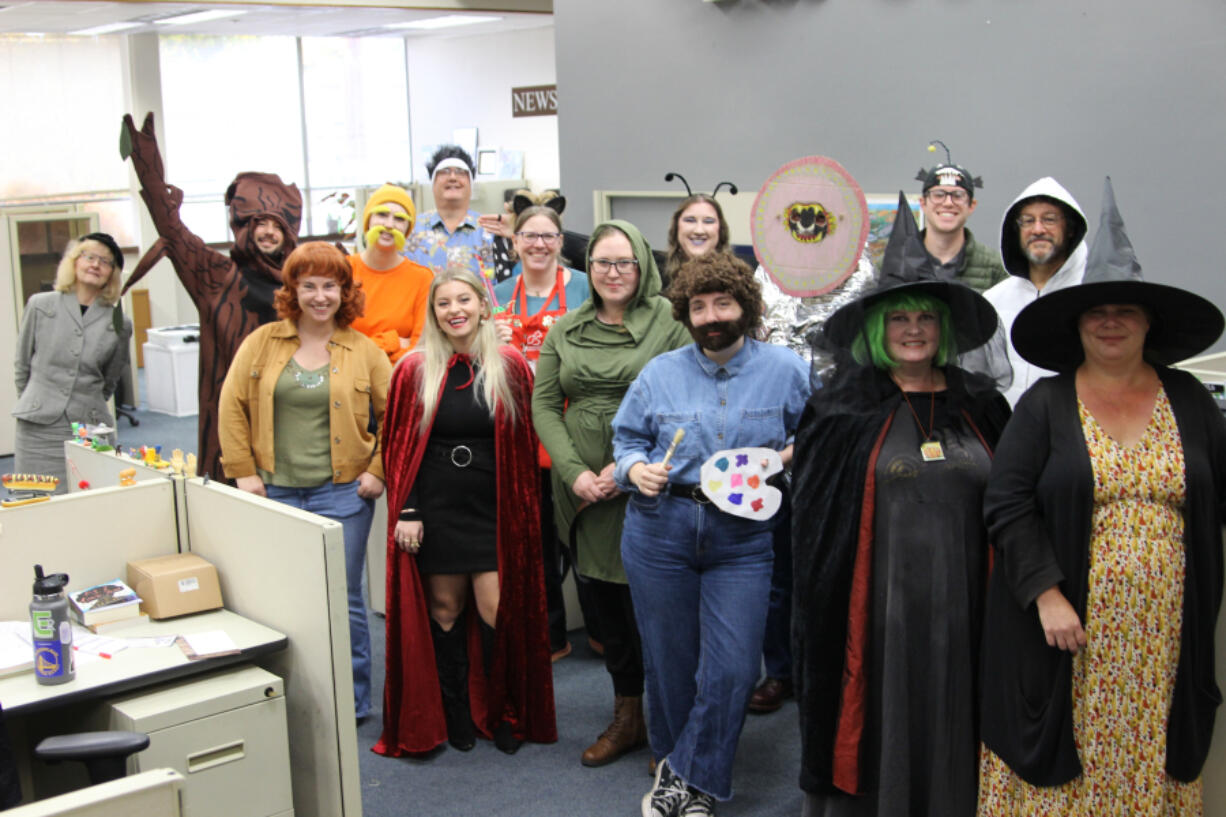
340, 502
700, 581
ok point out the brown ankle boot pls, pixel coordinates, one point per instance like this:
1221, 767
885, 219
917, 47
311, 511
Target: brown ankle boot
626, 733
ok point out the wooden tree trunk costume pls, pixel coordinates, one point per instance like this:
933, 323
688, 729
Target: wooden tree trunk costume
233, 294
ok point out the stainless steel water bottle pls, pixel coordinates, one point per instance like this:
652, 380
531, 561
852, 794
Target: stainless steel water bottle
51, 629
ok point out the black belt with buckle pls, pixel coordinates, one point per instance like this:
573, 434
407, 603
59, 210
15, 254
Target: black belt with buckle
692, 490
689, 490
461, 455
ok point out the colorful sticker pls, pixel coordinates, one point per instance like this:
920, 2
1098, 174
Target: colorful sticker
735, 480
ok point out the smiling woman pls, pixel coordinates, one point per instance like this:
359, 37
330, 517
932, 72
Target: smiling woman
462, 481
71, 351
891, 460
295, 417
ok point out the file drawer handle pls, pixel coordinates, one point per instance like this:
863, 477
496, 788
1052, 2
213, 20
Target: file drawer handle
208, 758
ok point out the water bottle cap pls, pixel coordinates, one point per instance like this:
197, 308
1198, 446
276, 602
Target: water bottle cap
48, 585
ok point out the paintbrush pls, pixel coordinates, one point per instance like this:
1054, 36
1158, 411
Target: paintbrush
672, 449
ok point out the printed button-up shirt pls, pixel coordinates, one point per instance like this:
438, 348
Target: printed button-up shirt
432, 246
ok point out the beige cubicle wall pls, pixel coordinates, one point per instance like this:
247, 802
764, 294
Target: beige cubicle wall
278, 566
286, 569
91, 536
150, 794
101, 469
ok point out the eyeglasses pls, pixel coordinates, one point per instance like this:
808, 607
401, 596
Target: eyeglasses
1048, 220
532, 238
625, 266
102, 261
958, 196
451, 171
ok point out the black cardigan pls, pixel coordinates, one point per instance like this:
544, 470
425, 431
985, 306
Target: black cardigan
1038, 506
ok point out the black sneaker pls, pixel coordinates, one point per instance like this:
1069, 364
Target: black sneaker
701, 804
668, 796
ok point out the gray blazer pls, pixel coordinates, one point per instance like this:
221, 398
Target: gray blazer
68, 363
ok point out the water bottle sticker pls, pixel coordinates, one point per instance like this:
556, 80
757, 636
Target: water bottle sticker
46, 662
43, 624
65, 632
189, 584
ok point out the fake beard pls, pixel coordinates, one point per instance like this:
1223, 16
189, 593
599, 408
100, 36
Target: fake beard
718, 335
372, 236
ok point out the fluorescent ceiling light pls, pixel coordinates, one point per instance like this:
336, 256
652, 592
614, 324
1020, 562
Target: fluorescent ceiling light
199, 17
446, 21
108, 28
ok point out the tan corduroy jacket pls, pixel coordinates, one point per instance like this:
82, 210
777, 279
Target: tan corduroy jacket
357, 385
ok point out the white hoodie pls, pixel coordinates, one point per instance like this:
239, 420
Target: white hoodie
1014, 293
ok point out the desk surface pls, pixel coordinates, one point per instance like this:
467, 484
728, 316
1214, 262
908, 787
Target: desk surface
138, 667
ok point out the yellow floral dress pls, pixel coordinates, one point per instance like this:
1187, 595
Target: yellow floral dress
1124, 679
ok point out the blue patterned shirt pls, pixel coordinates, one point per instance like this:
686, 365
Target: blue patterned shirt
432, 246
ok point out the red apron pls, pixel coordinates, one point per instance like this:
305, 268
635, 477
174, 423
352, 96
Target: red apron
528, 331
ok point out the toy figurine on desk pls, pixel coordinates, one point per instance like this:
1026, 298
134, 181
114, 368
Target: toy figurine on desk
24, 489
93, 436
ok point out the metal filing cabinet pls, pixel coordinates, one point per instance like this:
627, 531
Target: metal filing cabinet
226, 735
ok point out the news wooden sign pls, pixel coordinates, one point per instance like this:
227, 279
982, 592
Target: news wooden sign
534, 100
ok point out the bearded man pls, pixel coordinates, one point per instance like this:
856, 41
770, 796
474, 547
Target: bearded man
233, 294
1042, 245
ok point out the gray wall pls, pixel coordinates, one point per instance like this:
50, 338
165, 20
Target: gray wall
1018, 89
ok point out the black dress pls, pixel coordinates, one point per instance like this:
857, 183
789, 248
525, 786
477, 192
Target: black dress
455, 487
920, 753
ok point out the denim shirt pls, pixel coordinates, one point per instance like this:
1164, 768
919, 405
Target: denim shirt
432, 246
755, 399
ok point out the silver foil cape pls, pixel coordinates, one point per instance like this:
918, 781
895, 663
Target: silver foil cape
793, 322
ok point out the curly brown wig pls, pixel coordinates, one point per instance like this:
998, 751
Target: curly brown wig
717, 272
319, 258
676, 253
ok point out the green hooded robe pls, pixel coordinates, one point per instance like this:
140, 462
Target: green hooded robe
584, 371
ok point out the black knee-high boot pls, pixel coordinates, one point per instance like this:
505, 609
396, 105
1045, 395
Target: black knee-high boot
504, 737
451, 656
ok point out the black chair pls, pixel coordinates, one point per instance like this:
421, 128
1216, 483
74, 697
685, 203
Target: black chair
104, 754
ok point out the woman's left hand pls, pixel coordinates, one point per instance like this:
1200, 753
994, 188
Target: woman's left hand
606, 484
369, 486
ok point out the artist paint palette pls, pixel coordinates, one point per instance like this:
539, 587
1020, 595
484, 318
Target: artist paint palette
735, 481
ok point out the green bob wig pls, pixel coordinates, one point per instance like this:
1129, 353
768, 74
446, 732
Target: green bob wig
870, 345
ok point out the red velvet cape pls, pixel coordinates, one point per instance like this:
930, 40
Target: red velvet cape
521, 683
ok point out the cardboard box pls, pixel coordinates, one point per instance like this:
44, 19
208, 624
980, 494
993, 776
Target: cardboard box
175, 585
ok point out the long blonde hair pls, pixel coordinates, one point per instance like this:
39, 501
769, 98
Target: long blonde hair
66, 272
436, 349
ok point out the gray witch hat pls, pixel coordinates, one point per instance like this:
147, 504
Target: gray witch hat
907, 267
1183, 324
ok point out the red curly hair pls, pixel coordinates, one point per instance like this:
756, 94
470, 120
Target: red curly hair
319, 258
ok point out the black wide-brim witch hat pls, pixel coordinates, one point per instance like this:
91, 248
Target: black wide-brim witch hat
907, 267
1183, 323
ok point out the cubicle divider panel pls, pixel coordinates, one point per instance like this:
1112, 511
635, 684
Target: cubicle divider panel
91, 536
285, 568
149, 794
101, 469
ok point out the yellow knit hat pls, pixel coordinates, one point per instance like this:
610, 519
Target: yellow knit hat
386, 193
